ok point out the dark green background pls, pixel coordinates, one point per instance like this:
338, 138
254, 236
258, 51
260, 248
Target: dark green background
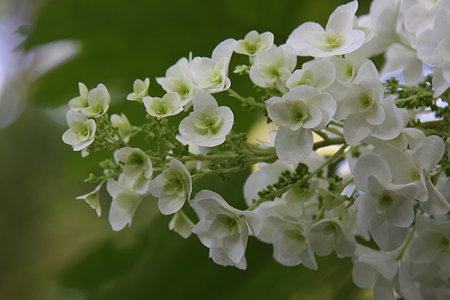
54, 247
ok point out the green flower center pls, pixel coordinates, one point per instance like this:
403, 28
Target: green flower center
385, 202
333, 41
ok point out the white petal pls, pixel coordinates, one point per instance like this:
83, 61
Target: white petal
429, 151
367, 215
436, 203
363, 275
181, 224
387, 236
293, 146
371, 165
392, 124
297, 41
356, 129
170, 204
401, 214
224, 50
203, 99
341, 20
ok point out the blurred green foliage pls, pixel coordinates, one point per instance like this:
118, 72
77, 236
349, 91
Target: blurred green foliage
54, 247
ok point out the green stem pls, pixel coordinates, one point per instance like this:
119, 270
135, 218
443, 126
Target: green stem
329, 142
248, 101
406, 244
322, 134
334, 130
336, 123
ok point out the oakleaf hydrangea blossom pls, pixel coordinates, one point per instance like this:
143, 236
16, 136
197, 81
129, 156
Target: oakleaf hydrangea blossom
208, 124
339, 37
223, 229
320, 74
169, 105
300, 110
253, 43
81, 132
140, 90
178, 80
375, 270
329, 234
124, 203
434, 49
98, 102
172, 187
137, 168
273, 67
350, 168
211, 74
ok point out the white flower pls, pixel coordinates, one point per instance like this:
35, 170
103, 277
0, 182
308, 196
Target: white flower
329, 234
92, 199
137, 168
366, 111
291, 243
271, 68
300, 109
81, 101
140, 90
169, 105
173, 187
178, 80
124, 203
223, 229
81, 132
211, 74
208, 125
181, 224
338, 38
123, 126
385, 18
98, 102
253, 43
398, 57
411, 166
375, 270
319, 73
434, 45
432, 243
382, 205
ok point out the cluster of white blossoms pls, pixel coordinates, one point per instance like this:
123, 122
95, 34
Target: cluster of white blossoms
380, 196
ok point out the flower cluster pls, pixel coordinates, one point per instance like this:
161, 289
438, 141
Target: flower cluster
380, 196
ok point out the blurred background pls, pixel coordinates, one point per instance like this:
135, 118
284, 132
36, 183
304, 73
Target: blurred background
53, 246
